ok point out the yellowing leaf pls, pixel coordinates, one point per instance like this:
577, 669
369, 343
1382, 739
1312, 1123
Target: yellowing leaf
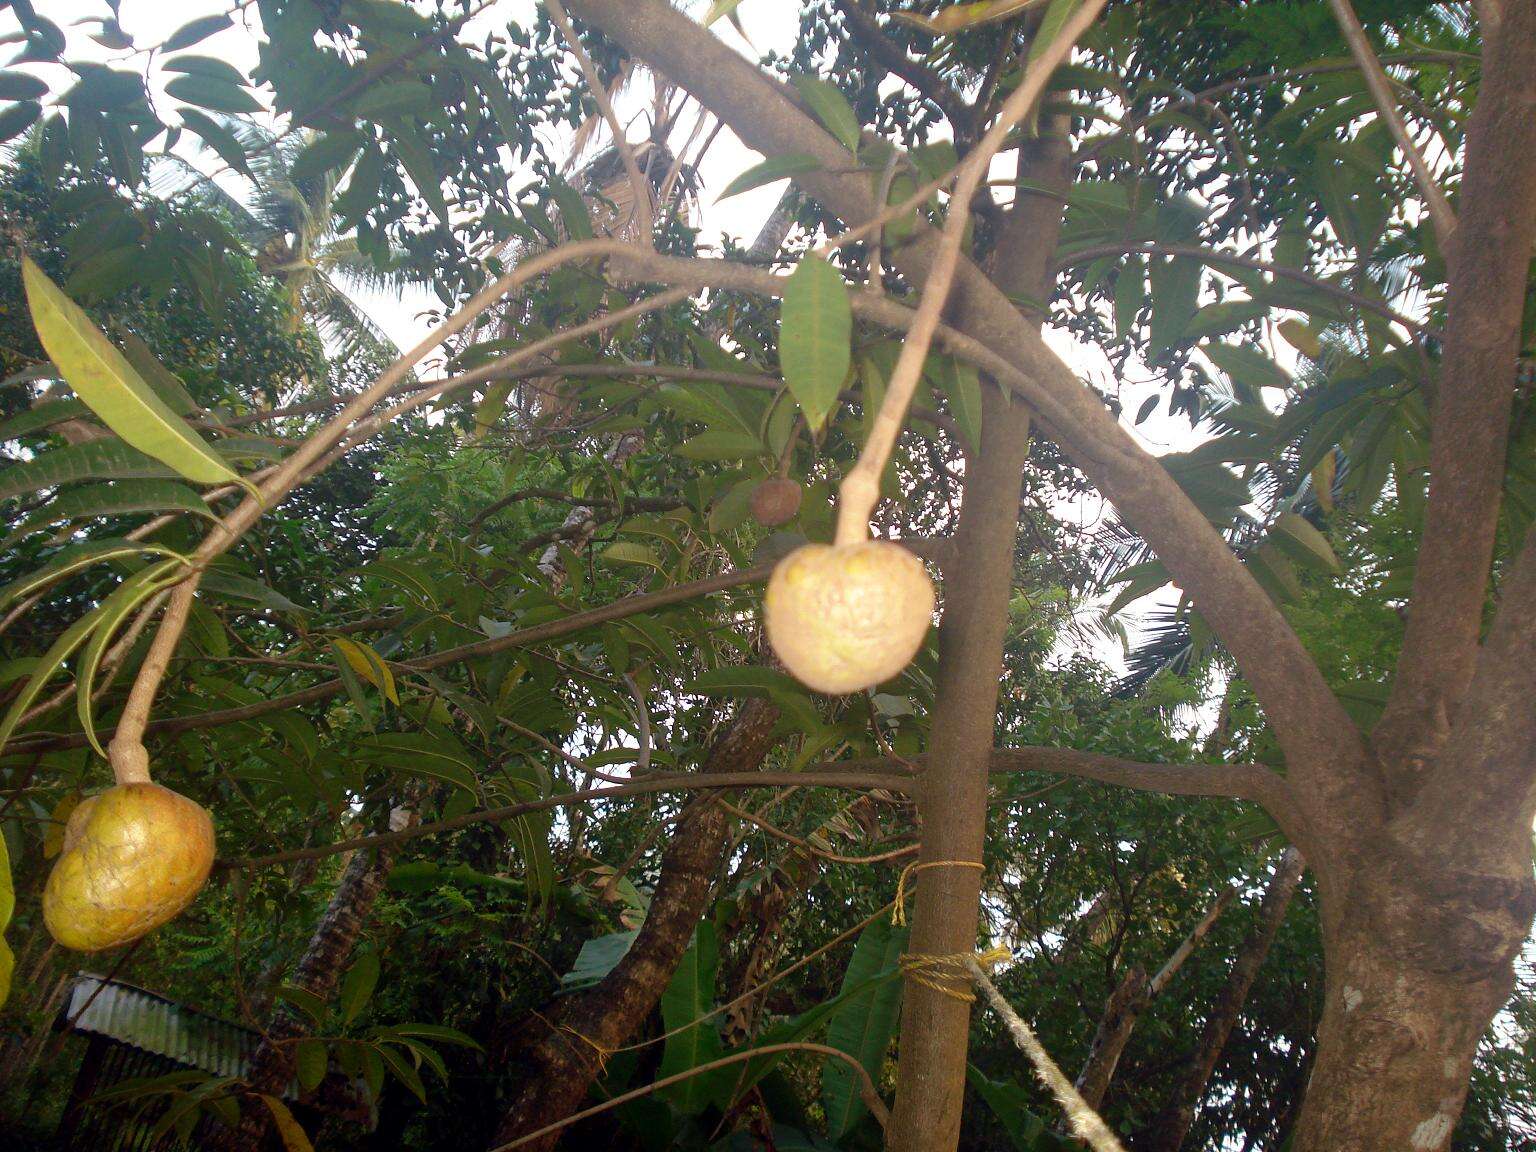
368, 664
1301, 338
102, 377
7, 906
294, 1138
959, 17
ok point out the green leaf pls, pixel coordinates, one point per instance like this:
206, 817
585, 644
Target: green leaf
302, 999
368, 664
417, 159
439, 1033
721, 444
166, 384
865, 1023
123, 498
598, 957
217, 137
688, 998
52, 660
1175, 301
770, 171
814, 337
324, 153
18, 118
214, 95
961, 384
1130, 294
831, 107
402, 1071
44, 414
21, 86
105, 459
193, 31
1010, 1104
630, 552
75, 559
1246, 366
115, 610
720, 8
208, 66
1302, 542
108, 383
311, 1060
419, 754
358, 985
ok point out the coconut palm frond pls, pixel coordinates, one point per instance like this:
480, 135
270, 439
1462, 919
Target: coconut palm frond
342, 261
342, 324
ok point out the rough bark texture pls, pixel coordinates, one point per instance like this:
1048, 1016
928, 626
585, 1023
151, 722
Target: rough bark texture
273, 1066
556, 1066
1121, 1011
1168, 1129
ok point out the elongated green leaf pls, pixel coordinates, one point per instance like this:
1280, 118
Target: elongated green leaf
77, 558
123, 498
773, 169
688, 997
195, 30
598, 957
103, 378
17, 118
814, 337
864, 1025
63, 648
721, 444
214, 95
440, 1033
402, 1071
1246, 366
1296, 536
962, 386
831, 107
419, 754
223, 142
358, 985
209, 66
115, 610
166, 384
21, 86
40, 416
1010, 1104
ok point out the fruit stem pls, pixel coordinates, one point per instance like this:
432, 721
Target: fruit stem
860, 490
126, 753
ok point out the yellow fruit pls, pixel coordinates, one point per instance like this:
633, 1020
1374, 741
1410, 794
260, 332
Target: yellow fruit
845, 618
133, 858
775, 501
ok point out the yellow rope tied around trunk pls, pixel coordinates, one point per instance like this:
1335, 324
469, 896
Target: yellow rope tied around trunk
950, 975
899, 912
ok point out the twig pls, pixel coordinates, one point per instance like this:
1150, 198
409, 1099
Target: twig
640, 185
1380, 86
1087, 1125
860, 490
866, 1087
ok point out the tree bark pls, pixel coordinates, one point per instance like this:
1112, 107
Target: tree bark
952, 804
1121, 1011
1168, 1129
559, 1064
319, 970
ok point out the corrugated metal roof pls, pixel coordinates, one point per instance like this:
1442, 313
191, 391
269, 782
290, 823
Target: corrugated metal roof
146, 1020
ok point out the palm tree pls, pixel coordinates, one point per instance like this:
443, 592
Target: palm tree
291, 226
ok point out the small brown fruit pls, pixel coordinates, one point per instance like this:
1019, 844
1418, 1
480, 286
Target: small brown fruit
775, 501
845, 618
133, 858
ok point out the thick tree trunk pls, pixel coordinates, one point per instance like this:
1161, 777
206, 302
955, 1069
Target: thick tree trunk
1168, 1129
1419, 959
952, 805
559, 1065
318, 972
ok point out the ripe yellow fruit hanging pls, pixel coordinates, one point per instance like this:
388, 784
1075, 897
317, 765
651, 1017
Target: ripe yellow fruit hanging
846, 617
133, 858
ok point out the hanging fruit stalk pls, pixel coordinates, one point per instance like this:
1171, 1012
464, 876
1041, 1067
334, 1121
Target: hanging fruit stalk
848, 616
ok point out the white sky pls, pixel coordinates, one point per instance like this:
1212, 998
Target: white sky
770, 25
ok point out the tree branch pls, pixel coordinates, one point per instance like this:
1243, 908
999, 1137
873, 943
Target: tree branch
890, 56
1376, 80
1321, 744
1489, 264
